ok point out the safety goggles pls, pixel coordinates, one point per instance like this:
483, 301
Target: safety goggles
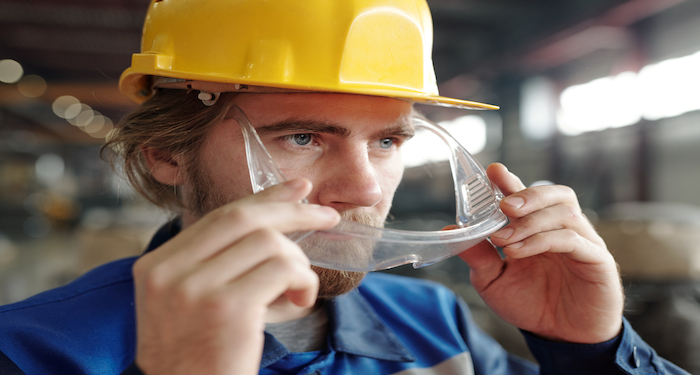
352, 246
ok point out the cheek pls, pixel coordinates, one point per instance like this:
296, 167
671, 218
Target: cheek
298, 165
225, 165
234, 180
390, 175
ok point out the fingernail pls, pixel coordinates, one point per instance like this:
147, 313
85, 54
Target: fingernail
504, 233
516, 202
328, 212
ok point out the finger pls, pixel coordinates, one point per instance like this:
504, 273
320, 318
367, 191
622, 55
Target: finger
532, 199
485, 264
227, 226
563, 241
255, 249
257, 209
267, 282
550, 218
182, 253
505, 180
224, 226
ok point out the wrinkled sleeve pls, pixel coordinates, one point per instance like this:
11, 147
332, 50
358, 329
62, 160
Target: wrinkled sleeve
625, 354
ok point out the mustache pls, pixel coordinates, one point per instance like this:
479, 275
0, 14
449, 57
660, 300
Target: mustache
366, 218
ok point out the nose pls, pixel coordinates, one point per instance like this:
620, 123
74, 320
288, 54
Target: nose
349, 179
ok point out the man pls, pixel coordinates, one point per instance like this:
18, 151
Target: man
222, 290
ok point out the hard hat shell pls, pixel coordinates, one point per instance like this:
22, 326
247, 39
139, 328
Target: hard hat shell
370, 47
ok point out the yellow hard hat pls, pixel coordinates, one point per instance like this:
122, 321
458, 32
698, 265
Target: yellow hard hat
370, 47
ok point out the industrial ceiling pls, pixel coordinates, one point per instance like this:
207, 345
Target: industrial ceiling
80, 47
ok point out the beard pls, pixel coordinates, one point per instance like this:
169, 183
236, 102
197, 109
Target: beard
204, 198
351, 253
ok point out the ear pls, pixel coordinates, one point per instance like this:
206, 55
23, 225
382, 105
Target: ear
165, 168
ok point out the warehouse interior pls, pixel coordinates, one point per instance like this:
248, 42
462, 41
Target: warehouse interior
599, 95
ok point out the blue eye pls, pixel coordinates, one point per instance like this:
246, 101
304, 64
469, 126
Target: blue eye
302, 139
386, 143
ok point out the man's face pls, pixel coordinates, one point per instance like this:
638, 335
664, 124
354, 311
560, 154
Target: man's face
346, 145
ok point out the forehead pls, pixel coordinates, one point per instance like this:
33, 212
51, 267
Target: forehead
353, 112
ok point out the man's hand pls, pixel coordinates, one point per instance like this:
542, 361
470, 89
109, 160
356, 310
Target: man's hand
558, 279
202, 297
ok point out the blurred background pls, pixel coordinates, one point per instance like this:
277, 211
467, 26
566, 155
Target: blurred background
599, 95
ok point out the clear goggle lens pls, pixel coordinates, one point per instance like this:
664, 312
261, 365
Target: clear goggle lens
352, 246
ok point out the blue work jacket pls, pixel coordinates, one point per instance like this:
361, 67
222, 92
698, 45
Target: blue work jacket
389, 325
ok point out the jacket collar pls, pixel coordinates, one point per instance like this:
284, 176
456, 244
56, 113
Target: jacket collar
355, 329
164, 234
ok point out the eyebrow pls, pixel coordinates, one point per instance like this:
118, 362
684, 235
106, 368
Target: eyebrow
303, 126
400, 128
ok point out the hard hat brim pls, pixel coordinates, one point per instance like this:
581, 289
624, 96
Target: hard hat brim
139, 87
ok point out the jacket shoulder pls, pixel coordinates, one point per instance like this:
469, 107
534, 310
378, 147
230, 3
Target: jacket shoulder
88, 323
105, 276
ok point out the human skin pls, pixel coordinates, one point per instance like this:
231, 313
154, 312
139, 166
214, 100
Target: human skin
558, 280
203, 298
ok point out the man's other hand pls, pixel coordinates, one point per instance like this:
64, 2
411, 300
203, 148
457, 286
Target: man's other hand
558, 279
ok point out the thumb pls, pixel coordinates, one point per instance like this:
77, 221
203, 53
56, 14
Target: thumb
485, 264
505, 180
